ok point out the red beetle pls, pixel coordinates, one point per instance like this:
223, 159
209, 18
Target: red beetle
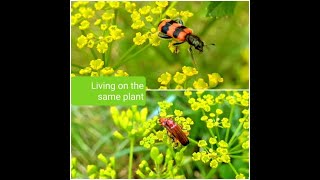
174, 129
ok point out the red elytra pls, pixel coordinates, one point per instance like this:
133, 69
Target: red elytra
174, 129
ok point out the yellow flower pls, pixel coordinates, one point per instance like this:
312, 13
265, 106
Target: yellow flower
97, 22
223, 144
153, 30
179, 78
99, 5
165, 78
214, 163
130, 6
139, 39
214, 79
82, 41
178, 112
195, 106
196, 156
213, 140
225, 123
114, 4
202, 143
78, 15
204, 118
163, 87
115, 32
86, 12
135, 16
90, 35
172, 48
245, 112
189, 71
90, 43
245, 54
156, 10
186, 14
94, 74
106, 71
219, 111
86, 70
121, 73
103, 27
245, 145
179, 87
162, 4
200, 84
107, 16
149, 18
188, 92
96, 64
154, 40
145, 10
210, 123
108, 39
74, 20
73, 75
137, 24
240, 176
102, 47
172, 13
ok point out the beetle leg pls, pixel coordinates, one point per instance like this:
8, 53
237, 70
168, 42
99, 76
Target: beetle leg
163, 35
179, 21
191, 52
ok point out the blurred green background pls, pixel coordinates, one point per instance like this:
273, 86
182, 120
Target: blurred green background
227, 26
92, 128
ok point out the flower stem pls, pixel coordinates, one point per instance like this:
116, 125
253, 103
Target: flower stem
230, 120
92, 51
77, 66
212, 134
107, 55
131, 158
237, 151
235, 134
233, 169
210, 173
217, 132
193, 141
126, 54
239, 157
129, 58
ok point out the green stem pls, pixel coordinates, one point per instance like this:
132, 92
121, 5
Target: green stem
239, 157
238, 151
129, 58
92, 51
212, 134
233, 169
235, 134
158, 170
78, 66
235, 147
230, 120
127, 53
217, 132
193, 141
131, 158
211, 173
107, 55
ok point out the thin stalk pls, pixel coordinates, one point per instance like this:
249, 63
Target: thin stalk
235, 134
131, 158
92, 51
130, 58
238, 151
210, 173
233, 169
239, 157
77, 66
230, 120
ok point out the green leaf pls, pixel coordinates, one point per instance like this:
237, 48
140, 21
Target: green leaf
226, 172
218, 9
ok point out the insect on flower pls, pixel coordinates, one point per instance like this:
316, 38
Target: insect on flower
169, 29
174, 129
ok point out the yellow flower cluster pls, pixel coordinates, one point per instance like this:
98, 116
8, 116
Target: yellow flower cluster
214, 156
94, 172
96, 69
180, 79
100, 14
